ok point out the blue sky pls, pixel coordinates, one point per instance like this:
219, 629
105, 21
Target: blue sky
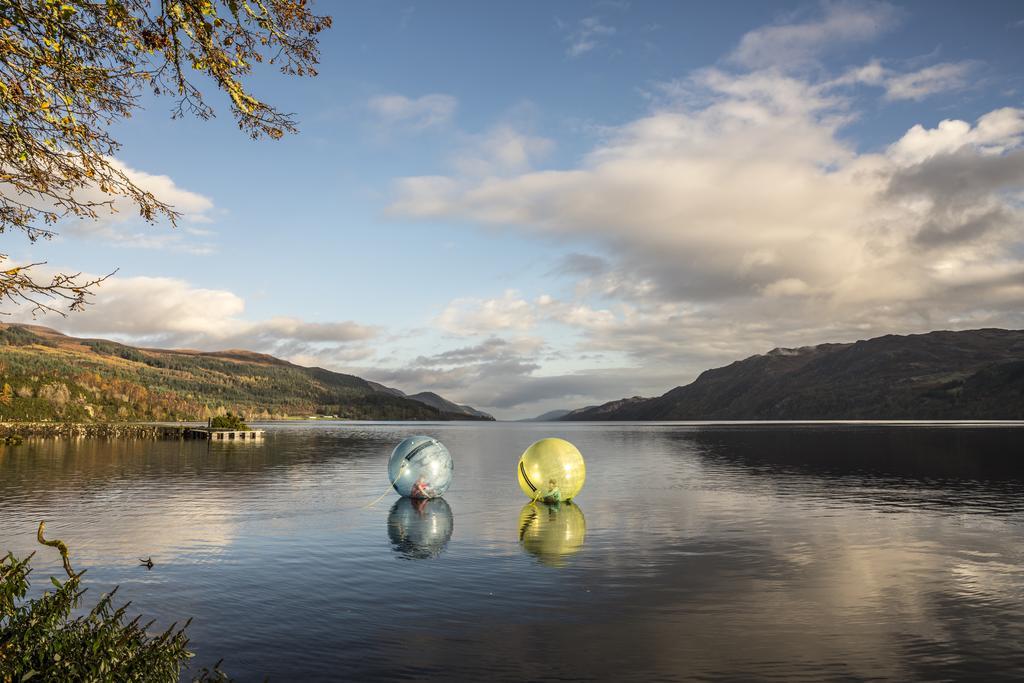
527, 206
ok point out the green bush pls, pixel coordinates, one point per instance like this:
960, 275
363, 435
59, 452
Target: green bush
228, 421
40, 641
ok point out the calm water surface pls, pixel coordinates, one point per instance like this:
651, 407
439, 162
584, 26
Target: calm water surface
707, 552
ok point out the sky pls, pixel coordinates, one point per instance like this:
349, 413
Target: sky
537, 206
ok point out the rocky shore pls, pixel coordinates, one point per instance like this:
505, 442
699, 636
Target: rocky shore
14, 432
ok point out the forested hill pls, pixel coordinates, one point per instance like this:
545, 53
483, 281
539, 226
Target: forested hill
975, 374
45, 375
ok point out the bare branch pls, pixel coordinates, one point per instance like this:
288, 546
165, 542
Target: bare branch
18, 286
60, 546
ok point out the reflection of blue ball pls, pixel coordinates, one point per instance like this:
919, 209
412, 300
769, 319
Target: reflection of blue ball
420, 467
419, 529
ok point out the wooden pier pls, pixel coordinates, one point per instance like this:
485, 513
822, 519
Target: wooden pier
15, 432
223, 434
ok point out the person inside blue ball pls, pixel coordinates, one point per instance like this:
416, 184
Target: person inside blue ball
421, 489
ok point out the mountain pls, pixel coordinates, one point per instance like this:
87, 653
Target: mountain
550, 416
431, 399
46, 375
974, 374
391, 391
435, 401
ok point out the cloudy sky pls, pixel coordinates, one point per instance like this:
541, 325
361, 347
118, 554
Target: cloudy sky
530, 206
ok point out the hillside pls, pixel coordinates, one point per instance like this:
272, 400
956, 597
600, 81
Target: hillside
550, 416
975, 374
441, 403
45, 375
444, 405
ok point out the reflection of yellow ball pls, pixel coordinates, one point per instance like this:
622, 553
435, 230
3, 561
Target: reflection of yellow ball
551, 470
552, 533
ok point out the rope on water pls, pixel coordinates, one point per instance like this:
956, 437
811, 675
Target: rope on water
386, 491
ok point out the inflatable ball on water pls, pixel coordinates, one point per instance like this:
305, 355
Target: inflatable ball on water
420, 467
551, 470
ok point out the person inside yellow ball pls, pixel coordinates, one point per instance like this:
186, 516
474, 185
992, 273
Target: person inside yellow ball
553, 494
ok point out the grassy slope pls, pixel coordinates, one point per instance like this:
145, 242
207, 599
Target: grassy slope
45, 375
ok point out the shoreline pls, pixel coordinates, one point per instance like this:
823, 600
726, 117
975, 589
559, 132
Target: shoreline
14, 432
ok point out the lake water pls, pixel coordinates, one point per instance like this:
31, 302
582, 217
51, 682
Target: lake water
797, 552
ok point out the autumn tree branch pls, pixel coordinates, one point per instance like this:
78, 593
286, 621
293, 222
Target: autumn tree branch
69, 69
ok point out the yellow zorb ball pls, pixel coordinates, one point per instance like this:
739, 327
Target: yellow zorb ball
551, 470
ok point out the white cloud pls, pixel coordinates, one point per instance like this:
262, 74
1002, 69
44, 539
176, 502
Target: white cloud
194, 207
468, 317
920, 84
675, 184
587, 35
416, 113
171, 313
122, 236
872, 73
995, 133
424, 195
500, 150
914, 85
794, 43
120, 224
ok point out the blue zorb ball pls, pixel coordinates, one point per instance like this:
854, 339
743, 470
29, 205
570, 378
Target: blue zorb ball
420, 467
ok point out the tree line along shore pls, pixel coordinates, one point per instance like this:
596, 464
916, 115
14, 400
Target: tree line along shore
48, 377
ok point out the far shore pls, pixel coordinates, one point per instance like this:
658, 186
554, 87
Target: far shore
12, 432
15, 432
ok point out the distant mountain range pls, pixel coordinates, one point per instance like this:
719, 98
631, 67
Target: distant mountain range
441, 403
46, 375
550, 416
974, 374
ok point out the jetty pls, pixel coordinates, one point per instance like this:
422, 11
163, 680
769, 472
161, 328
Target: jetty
222, 434
16, 432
